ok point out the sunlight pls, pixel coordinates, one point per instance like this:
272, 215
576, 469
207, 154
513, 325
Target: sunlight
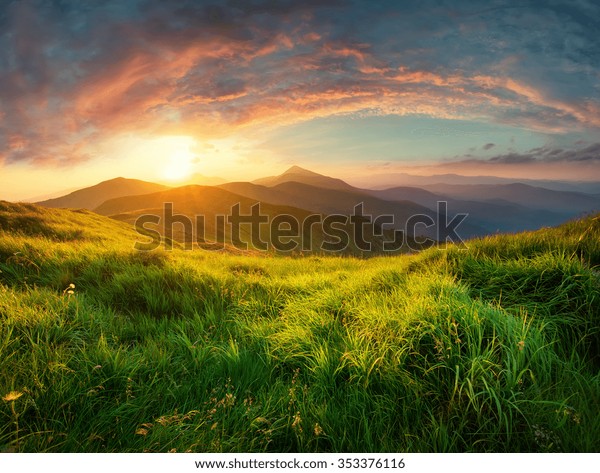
179, 164
160, 158
163, 158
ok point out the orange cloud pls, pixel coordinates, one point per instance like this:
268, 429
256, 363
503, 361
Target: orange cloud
211, 70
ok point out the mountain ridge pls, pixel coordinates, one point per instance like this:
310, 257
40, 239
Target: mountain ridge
390, 180
91, 197
208, 203
298, 174
519, 193
491, 208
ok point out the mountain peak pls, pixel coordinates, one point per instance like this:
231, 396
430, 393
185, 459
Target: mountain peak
298, 170
304, 176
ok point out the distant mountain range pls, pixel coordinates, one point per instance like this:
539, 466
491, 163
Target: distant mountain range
521, 194
495, 215
387, 180
343, 201
497, 206
212, 203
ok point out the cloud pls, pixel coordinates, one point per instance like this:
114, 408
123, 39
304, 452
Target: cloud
542, 155
545, 162
488, 146
548, 154
72, 76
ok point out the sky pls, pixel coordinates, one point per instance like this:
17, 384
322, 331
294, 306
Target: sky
240, 89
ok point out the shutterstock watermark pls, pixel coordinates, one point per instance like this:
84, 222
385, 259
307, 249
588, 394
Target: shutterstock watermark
336, 233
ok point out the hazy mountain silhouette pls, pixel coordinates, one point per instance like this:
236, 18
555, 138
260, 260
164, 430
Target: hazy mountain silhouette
92, 197
497, 216
490, 207
321, 199
398, 179
522, 194
335, 201
416, 194
304, 176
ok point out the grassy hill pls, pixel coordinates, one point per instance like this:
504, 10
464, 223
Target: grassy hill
105, 348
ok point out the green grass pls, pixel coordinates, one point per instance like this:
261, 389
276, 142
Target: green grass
490, 349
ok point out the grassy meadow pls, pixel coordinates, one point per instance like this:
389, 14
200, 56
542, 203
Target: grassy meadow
495, 348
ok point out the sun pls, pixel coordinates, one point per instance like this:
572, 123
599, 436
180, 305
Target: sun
179, 164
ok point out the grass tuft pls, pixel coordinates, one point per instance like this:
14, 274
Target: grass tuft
103, 348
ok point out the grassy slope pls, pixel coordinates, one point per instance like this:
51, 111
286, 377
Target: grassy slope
490, 349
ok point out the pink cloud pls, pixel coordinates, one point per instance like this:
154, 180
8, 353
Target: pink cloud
220, 73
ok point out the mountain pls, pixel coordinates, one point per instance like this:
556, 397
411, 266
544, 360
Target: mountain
189, 199
521, 194
416, 194
397, 179
304, 176
191, 202
491, 208
388, 180
91, 197
336, 201
494, 216
323, 200
212, 203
